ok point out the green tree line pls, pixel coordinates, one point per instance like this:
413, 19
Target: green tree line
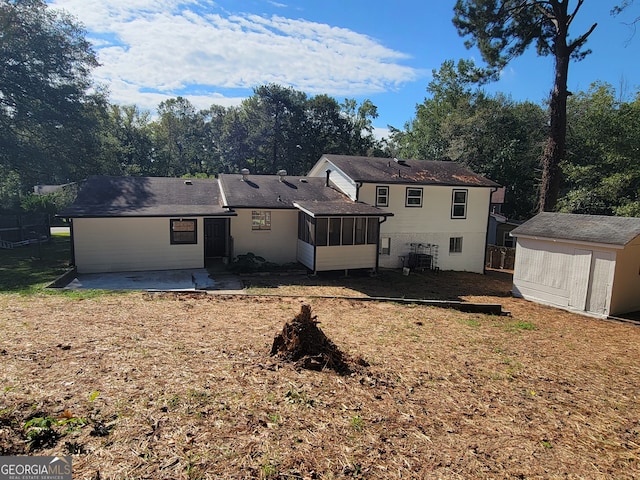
57, 126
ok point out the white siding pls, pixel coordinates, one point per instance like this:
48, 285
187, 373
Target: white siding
432, 224
600, 282
339, 178
566, 275
542, 271
131, 244
278, 245
305, 254
579, 288
345, 257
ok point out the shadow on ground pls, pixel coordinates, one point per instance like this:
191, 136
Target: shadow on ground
428, 285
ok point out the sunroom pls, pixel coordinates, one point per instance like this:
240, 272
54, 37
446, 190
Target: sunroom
339, 235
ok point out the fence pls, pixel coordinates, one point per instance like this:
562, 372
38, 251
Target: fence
20, 229
500, 257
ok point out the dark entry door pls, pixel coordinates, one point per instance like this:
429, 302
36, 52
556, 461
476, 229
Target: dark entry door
215, 237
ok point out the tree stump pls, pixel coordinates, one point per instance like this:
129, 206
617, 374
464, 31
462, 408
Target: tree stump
305, 344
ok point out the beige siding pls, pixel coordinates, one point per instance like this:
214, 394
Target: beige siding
278, 245
345, 257
626, 283
432, 224
131, 244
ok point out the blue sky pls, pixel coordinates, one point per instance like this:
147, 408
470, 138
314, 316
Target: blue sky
215, 52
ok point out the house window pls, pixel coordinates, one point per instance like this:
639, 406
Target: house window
335, 230
306, 228
347, 230
459, 204
382, 196
385, 246
322, 229
260, 220
183, 231
373, 228
507, 239
455, 245
414, 197
361, 230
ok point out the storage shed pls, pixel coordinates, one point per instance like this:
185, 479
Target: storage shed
584, 263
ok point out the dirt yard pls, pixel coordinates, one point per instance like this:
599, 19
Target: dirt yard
167, 386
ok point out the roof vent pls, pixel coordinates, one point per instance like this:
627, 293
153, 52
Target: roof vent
245, 174
400, 161
282, 174
188, 182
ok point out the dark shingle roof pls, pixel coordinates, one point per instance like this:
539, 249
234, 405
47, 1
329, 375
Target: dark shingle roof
342, 208
104, 196
422, 172
582, 228
270, 191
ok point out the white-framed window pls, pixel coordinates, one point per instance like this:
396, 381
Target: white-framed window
382, 196
260, 220
183, 231
334, 231
385, 246
414, 197
455, 245
459, 204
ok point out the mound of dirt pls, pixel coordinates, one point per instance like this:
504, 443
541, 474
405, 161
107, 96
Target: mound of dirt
304, 343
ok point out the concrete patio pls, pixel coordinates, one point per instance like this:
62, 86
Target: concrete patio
162, 280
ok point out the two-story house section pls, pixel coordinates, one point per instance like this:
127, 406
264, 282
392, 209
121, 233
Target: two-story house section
440, 209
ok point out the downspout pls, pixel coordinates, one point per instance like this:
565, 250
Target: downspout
358, 185
315, 244
486, 235
72, 244
384, 219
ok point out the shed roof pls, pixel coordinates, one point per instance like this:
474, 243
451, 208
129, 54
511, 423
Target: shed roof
106, 196
582, 228
422, 172
290, 192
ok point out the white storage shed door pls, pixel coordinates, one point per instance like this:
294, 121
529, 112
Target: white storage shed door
591, 280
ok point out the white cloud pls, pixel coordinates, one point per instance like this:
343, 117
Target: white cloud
381, 133
151, 49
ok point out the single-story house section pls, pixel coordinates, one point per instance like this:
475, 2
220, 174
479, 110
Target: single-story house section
584, 263
123, 224
301, 219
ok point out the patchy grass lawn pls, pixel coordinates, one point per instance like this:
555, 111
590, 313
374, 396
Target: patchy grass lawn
30, 268
169, 386
459, 286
